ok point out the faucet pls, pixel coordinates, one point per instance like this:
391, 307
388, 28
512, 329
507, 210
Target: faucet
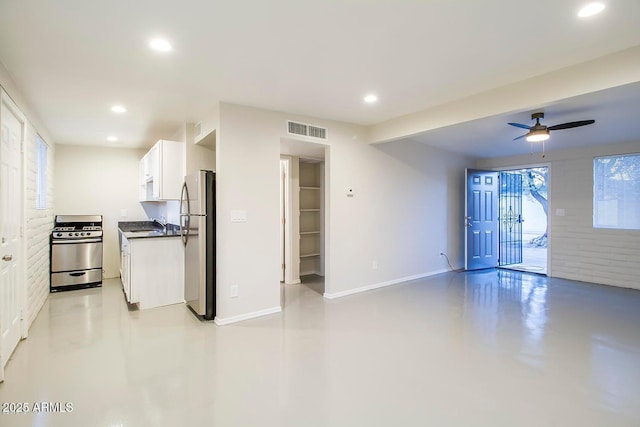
161, 222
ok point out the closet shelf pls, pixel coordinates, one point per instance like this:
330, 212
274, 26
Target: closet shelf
309, 232
308, 255
309, 188
309, 210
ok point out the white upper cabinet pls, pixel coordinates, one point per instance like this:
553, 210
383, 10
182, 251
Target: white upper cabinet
162, 171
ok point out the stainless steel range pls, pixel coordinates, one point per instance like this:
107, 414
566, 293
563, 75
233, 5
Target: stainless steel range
76, 252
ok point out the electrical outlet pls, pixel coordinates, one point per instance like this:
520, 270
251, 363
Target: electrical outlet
374, 265
234, 291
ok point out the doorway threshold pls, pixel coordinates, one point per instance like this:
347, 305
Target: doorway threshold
528, 268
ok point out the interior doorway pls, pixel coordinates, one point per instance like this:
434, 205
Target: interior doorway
303, 195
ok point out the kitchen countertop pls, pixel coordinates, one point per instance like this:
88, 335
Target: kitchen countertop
146, 229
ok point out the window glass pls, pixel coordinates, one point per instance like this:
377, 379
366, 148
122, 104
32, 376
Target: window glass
616, 192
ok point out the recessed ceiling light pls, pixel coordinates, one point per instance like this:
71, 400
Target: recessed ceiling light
591, 9
161, 45
370, 99
112, 138
118, 109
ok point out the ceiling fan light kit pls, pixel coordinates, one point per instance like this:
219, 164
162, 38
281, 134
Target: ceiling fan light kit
540, 133
537, 135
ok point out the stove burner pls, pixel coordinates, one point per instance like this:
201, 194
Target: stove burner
77, 227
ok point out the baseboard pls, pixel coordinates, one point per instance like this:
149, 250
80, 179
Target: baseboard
228, 320
381, 285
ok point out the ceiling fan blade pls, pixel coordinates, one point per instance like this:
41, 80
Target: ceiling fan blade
570, 125
518, 125
520, 137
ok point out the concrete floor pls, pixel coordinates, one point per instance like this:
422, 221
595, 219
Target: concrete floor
489, 348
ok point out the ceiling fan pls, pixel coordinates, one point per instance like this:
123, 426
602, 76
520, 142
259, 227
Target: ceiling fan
540, 132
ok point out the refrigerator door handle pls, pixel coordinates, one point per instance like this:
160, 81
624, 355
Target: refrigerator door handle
184, 231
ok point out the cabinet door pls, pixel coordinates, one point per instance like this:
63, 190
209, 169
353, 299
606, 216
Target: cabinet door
154, 170
126, 276
125, 268
162, 171
171, 169
142, 178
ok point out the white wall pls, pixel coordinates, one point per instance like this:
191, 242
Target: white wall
577, 250
406, 210
168, 211
38, 222
100, 181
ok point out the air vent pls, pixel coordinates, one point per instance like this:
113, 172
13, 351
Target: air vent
317, 132
296, 128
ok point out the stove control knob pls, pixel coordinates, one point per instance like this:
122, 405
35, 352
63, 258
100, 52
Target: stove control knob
88, 234
76, 234
59, 234
82, 234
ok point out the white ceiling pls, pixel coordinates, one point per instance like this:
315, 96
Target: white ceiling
616, 112
73, 59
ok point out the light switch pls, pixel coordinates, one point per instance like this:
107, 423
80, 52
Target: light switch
239, 216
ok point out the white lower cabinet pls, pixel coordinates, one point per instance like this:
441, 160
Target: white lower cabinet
125, 276
152, 271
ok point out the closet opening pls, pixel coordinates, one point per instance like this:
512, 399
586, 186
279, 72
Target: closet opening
303, 225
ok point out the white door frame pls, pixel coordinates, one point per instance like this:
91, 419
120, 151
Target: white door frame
22, 294
291, 275
294, 213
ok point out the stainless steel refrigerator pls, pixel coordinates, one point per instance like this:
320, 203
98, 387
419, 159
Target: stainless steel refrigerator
198, 230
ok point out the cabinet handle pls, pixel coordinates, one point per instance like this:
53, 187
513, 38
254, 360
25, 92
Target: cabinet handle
7, 257
78, 274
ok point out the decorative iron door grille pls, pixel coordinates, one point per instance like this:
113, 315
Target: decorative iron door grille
510, 218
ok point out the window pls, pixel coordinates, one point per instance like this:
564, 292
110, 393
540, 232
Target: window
616, 192
41, 173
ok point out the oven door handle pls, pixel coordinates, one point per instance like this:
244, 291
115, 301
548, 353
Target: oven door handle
68, 241
78, 274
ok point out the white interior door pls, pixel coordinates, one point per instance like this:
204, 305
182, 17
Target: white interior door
282, 219
12, 126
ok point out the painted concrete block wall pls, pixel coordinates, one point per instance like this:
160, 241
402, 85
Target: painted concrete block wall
100, 181
38, 227
407, 208
578, 251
